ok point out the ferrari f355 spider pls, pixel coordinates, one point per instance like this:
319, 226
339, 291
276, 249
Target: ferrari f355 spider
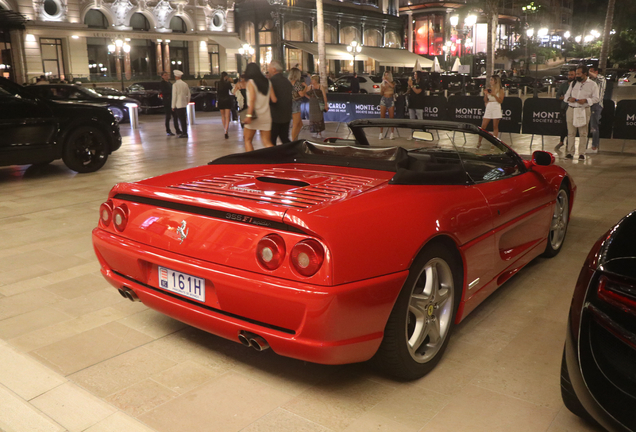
338, 252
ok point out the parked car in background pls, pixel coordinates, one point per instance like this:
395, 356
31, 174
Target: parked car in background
35, 130
475, 85
368, 84
204, 98
452, 82
598, 372
628, 79
108, 91
148, 94
119, 105
571, 64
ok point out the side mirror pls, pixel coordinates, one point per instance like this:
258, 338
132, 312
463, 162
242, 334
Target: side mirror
542, 158
423, 136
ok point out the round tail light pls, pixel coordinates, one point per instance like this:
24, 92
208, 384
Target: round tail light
120, 217
307, 257
270, 251
106, 212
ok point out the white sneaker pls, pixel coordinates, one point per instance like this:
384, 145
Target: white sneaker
381, 135
591, 150
391, 136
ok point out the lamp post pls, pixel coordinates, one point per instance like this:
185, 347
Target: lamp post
354, 48
120, 48
247, 52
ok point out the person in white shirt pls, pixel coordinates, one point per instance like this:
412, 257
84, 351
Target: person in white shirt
180, 101
597, 108
581, 95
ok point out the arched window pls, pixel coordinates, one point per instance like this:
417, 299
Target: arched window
139, 22
331, 34
248, 33
349, 34
95, 19
372, 37
296, 31
392, 40
178, 25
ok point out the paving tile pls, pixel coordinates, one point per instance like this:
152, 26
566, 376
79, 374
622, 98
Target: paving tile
141, 397
119, 422
17, 415
185, 376
282, 420
153, 323
30, 321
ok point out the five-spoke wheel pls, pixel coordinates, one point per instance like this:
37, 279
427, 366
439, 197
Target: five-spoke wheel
86, 149
559, 224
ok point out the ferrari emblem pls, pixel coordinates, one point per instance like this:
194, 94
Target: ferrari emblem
430, 310
182, 231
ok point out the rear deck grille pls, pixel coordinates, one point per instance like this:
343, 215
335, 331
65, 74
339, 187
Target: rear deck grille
338, 186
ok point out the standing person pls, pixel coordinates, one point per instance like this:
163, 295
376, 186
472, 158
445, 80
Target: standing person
240, 91
597, 108
180, 101
493, 97
281, 109
560, 94
415, 98
298, 94
580, 96
225, 101
258, 117
317, 106
166, 91
387, 91
355, 83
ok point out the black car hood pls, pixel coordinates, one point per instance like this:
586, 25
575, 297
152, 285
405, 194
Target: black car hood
618, 253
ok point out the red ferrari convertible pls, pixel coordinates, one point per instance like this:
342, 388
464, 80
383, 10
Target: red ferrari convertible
338, 252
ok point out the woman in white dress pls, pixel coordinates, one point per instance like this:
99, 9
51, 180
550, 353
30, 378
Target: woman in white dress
493, 97
258, 117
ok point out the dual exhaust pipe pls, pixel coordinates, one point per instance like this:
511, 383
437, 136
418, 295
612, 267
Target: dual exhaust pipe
252, 340
129, 294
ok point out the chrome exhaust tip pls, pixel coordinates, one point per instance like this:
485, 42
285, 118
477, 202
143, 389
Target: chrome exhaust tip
129, 294
243, 339
258, 343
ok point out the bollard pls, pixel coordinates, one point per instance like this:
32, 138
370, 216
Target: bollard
191, 114
133, 115
507, 92
525, 90
446, 94
428, 92
481, 92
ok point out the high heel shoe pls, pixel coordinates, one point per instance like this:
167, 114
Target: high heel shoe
226, 136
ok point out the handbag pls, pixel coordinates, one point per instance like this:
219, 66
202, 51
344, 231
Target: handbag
579, 117
243, 115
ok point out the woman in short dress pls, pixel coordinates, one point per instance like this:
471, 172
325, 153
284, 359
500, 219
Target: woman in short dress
317, 94
225, 100
298, 94
240, 89
493, 97
387, 103
259, 93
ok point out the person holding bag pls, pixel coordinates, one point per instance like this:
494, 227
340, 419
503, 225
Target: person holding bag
258, 115
580, 97
317, 106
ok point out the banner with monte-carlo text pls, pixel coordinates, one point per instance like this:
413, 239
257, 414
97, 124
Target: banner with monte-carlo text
346, 107
470, 109
543, 117
625, 120
435, 108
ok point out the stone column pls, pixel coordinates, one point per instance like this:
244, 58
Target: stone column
362, 41
410, 27
118, 63
17, 56
312, 30
127, 70
339, 28
159, 59
383, 35
166, 56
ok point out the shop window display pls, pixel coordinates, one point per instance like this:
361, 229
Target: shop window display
429, 35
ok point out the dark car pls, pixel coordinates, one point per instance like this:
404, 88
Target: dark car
452, 82
368, 84
475, 85
148, 94
119, 105
204, 98
598, 373
108, 91
34, 130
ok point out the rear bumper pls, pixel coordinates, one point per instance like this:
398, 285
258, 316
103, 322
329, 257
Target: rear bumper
322, 324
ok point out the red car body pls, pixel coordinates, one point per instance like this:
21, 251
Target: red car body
370, 230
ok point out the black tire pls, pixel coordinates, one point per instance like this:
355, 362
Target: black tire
559, 224
363, 92
570, 400
395, 356
86, 149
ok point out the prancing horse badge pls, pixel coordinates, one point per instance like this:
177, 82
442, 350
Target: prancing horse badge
182, 231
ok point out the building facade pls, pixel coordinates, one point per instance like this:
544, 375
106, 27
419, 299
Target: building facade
70, 39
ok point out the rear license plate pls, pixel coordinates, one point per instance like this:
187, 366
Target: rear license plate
182, 284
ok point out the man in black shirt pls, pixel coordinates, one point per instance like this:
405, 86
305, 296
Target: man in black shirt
282, 109
355, 83
166, 91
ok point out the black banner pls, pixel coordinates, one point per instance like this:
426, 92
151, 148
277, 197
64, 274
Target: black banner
466, 109
511, 110
543, 117
607, 118
345, 107
625, 119
435, 108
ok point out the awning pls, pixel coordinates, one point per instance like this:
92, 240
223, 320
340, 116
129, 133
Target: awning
333, 52
396, 57
228, 42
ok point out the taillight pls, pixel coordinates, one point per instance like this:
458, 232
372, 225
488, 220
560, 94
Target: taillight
120, 217
376, 86
106, 212
617, 293
270, 251
307, 257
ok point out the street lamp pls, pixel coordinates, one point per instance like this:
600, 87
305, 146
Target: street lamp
454, 20
566, 35
120, 48
354, 48
470, 20
247, 52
